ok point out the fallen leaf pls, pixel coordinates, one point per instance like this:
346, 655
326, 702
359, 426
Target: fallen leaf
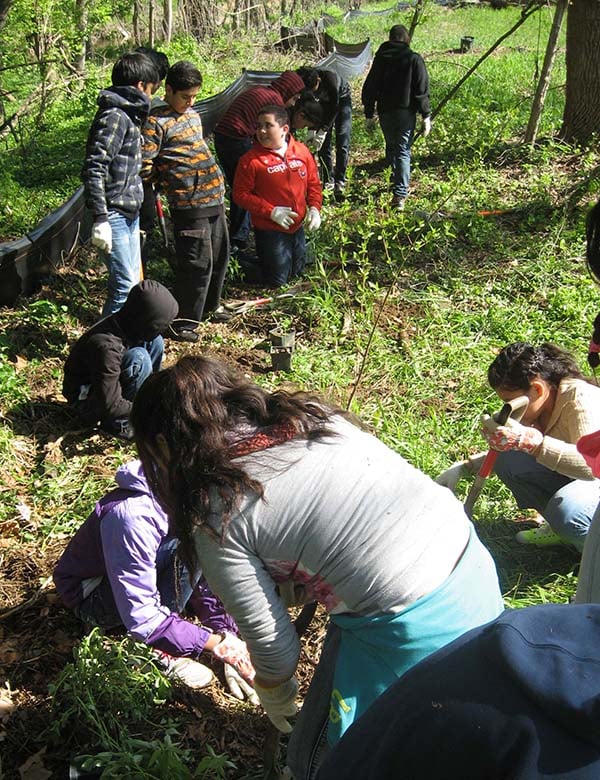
20, 363
33, 768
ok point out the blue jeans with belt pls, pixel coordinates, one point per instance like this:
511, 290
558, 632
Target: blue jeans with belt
566, 504
398, 128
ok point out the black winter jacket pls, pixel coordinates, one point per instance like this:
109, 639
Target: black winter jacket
398, 79
95, 358
113, 157
332, 90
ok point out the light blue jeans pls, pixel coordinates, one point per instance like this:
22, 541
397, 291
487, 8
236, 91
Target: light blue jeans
138, 363
398, 128
566, 504
124, 263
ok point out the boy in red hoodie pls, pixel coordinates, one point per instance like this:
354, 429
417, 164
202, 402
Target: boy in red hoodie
278, 183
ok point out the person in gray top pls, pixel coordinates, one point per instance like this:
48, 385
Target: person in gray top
283, 500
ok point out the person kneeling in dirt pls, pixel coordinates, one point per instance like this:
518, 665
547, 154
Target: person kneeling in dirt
108, 364
121, 569
537, 458
283, 500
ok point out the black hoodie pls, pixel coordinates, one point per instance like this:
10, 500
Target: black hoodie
398, 79
95, 358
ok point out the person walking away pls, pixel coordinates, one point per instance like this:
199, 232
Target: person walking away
111, 172
177, 160
278, 184
234, 134
537, 458
121, 569
397, 85
108, 364
283, 500
335, 97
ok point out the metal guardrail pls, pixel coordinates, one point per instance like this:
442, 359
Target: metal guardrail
26, 261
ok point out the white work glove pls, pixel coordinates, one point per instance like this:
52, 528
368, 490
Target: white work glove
426, 126
283, 216
232, 650
461, 468
238, 687
184, 670
370, 124
512, 436
319, 139
102, 236
313, 219
280, 703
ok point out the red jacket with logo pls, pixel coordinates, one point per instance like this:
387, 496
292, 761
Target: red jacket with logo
264, 180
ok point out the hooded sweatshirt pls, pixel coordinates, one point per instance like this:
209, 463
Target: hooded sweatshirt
120, 540
95, 359
518, 698
111, 171
398, 79
239, 121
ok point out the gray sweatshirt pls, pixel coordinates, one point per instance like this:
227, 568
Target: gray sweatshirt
364, 531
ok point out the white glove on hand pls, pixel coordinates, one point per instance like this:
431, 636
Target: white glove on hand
452, 475
426, 126
184, 670
283, 216
238, 687
370, 124
313, 219
280, 703
512, 436
319, 139
232, 650
102, 236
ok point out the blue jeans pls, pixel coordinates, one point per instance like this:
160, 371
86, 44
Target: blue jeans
229, 150
398, 128
281, 256
138, 363
172, 580
566, 504
343, 131
124, 262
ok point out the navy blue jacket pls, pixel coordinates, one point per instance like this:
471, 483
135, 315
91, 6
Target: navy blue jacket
518, 698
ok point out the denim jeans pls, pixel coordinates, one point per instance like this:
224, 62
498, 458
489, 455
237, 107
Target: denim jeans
201, 260
281, 256
138, 363
398, 128
343, 131
229, 150
172, 580
566, 504
124, 262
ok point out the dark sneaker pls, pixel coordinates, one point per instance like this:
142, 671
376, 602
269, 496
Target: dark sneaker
119, 428
220, 315
183, 334
398, 202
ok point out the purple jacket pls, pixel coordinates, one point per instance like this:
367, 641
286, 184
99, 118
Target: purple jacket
120, 540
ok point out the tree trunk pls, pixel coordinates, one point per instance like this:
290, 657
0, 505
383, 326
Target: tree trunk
151, 23
137, 13
81, 21
167, 19
416, 18
544, 82
581, 117
4, 9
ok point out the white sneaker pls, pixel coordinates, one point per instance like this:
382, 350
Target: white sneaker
542, 536
184, 670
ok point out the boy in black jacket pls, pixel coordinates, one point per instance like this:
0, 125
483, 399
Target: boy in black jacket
109, 363
398, 84
111, 172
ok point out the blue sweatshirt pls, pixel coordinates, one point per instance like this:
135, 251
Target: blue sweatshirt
120, 540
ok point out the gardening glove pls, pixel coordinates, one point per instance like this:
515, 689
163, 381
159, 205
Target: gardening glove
280, 703
593, 357
426, 126
232, 650
283, 216
313, 219
102, 236
184, 670
370, 124
512, 436
238, 687
318, 140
